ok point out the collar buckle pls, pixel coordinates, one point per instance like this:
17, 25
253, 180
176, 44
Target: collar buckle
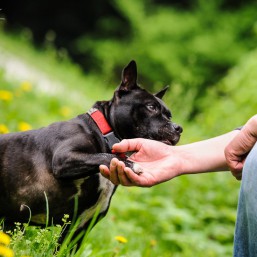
111, 139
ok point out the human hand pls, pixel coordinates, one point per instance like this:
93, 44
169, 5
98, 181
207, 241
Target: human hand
240, 146
150, 158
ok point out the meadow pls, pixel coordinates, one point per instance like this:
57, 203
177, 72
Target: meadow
190, 216
206, 53
208, 57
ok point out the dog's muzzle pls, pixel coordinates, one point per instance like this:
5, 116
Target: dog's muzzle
170, 133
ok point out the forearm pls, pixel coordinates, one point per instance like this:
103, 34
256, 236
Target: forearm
158, 162
206, 156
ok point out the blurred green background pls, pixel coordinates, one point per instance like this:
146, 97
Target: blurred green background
57, 58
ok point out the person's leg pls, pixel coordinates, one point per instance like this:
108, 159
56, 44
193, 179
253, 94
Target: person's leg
245, 242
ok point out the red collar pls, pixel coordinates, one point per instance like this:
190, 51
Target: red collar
104, 127
100, 121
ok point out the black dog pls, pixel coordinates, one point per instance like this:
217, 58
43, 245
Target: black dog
60, 162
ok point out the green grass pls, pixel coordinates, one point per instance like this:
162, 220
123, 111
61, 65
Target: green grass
189, 216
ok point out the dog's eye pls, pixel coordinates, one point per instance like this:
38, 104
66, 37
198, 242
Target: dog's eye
151, 107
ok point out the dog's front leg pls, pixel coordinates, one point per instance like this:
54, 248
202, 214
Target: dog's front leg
74, 164
77, 165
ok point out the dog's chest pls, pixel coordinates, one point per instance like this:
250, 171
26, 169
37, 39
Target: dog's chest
104, 191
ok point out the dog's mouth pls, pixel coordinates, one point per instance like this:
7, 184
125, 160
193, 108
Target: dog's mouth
167, 138
167, 142
173, 141
170, 134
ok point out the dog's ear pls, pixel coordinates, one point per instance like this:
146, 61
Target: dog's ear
129, 77
161, 93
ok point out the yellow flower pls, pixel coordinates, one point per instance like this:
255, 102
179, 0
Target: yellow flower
121, 239
4, 242
65, 111
26, 86
24, 126
153, 242
3, 129
6, 95
4, 238
6, 252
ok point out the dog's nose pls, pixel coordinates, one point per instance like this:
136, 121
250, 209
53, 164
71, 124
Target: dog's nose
178, 128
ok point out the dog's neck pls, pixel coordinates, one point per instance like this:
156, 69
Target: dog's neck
103, 125
100, 120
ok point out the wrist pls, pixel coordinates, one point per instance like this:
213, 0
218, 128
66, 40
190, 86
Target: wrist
179, 159
251, 126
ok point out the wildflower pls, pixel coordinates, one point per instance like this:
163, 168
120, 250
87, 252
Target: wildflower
4, 242
153, 242
26, 86
65, 218
6, 252
3, 129
65, 111
24, 126
4, 238
6, 95
121, 239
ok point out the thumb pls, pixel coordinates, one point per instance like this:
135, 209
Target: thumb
128, 145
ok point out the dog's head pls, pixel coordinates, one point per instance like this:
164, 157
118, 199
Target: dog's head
136, 113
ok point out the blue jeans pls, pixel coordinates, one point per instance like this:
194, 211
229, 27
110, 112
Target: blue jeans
245, 242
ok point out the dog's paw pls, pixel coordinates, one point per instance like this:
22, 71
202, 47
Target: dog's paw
134, 166
137, 169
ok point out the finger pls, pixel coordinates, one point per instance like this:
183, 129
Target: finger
237, 176
236, 167
136, 179
124, 180
104, 170
128, 145
114, 172
237, 173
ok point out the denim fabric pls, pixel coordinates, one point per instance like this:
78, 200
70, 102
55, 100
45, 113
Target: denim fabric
245, 242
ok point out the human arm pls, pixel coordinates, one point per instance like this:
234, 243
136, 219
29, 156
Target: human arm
240, 146
159, 162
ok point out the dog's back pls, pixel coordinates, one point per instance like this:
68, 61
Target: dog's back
27, 180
